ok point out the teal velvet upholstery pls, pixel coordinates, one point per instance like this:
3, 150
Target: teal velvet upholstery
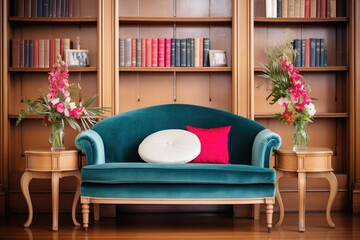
115, 173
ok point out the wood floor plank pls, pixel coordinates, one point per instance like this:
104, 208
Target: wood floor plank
182, 226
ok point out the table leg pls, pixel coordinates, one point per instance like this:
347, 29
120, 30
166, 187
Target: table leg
76, 198
279, 174
25, 180
55, 200
330, 176
302, 200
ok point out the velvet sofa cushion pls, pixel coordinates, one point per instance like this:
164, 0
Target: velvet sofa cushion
110, 173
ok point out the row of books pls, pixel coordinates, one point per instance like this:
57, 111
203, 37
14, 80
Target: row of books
37, 53
164, 52
311, 52
300, 8
43, 8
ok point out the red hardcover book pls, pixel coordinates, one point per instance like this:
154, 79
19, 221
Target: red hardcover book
154, 52
148, 49
307, 52
51, 52
161, 52
41, 53
307, 8
201, 52
133, 52
318, 8
15, 52
36, 53
62, 48
167, 52
143, 52
323, 8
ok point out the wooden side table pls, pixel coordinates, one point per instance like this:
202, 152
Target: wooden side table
55, 165
310, 163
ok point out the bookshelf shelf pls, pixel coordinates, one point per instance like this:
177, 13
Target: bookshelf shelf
54, 19
301, 20
175, 69
316, 69
34, 70
189, 20
317, 115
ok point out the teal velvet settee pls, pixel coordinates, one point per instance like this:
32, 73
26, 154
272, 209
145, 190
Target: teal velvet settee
115, 173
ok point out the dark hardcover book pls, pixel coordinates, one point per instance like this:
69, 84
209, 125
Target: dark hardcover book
15, 52
188, 52
327, 8
58, 8
322, 52
279, 8
183, 52
27, 8
21, 8
50, 10
317, 53
325, 58
303, 52
40, 8
127, 52
31, 53
206, 45
177, 52
26, 53
297, 48
34, 8
71, 8
143, 52
66, 6
22, 53
192, 52
172, 60
45, 8
121, 52
14, 8
54, 6
312, 52
138, 52
318, 8
63, 8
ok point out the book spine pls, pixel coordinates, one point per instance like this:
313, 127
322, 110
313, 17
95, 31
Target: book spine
133, 52
71, 8
312, 52
50, 12
138, 52
284, 8
307, 52
161, 52
307, 8
41, 53
66, 8
172, 52
297, 48
297, 8
313, 8
122, 52
268, 7
302, 9
148, 52
206, 52
46, 53
325, 58
63, 8
177, 52
67, 45
317, 53
54, 6
303, 53
192, 49
62, 48
31, 53
27, 8
318, 14
332, 8
279, 8
57, 47
127, 52
143, 52
167, 52
21, 8
15, 52
154, 52
327, 14
36, 53
183, 52
188, 56
26, 53
201, 52
322, 52
52, 52
58, 8
291, 8
197, 52
274, 8
40, 8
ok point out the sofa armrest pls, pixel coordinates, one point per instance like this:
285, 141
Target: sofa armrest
265, 142
91, 143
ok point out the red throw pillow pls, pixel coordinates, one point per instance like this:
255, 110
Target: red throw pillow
214, 144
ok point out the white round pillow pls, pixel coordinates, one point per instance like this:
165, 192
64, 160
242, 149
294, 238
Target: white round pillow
170, 146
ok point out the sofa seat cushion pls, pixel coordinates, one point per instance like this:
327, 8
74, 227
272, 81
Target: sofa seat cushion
131, 172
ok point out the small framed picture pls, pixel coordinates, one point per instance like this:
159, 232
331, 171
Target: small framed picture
217, 58
77, 58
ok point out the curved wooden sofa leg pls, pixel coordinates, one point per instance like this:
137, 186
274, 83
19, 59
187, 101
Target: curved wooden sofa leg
269, 214
85, 212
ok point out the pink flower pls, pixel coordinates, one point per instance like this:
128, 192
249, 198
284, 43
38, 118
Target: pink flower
60, 107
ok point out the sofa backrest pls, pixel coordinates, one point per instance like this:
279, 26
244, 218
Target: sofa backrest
123, 133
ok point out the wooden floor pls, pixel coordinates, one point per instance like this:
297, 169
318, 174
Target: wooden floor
182, 226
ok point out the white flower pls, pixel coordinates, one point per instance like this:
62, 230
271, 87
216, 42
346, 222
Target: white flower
55, 101
283, 101
72, 105
311, 109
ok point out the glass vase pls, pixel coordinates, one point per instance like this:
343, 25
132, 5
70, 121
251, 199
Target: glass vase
301, 137
57, 136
